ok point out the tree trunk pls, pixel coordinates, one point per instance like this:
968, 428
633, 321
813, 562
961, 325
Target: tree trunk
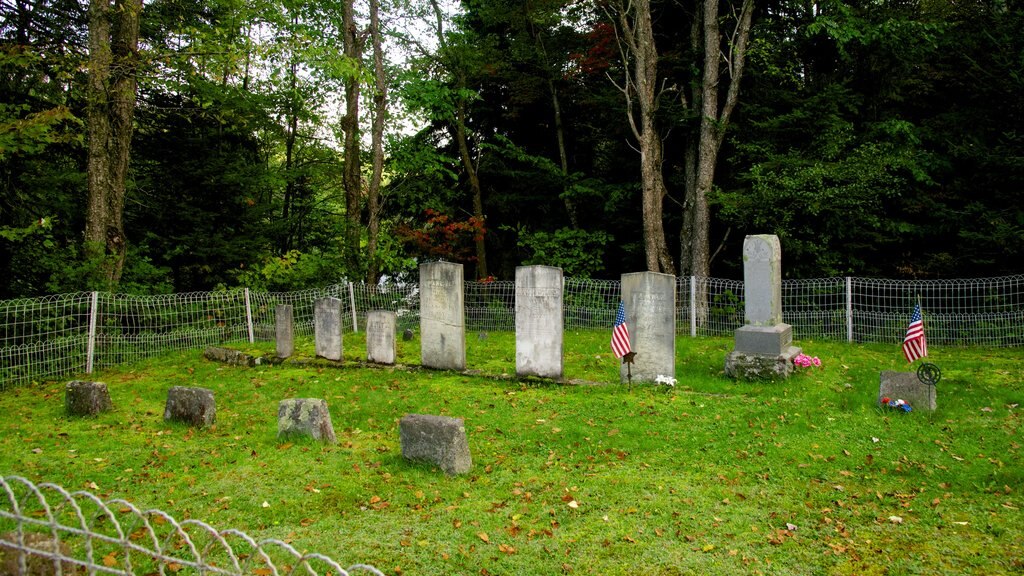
352, 177
377, 136
474, 185
112, 92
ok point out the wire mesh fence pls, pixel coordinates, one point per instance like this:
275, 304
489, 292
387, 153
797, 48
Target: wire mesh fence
45, 529
54, 336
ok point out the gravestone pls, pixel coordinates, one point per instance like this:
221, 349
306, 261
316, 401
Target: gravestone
381, 326
305, 417
906, 386
650, 303
327, 328
83, 398
229, 356
763, 347
42, 553
439, 440
442, 316
539, 321
193, 406
284, 330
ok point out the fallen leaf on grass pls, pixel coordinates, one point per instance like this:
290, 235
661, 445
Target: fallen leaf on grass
506, 549
483, 536
110, 559
896, 519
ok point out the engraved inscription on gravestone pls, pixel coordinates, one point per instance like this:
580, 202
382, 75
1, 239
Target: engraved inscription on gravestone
380, 336
539, 333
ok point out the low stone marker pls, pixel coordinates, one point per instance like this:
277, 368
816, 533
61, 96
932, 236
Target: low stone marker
194, 406
229, 356
305, 417
906, 386
439, 440
83, 398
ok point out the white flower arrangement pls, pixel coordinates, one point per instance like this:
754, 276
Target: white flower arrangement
666, 380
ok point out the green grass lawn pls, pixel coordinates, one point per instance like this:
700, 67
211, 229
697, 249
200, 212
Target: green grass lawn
806, 476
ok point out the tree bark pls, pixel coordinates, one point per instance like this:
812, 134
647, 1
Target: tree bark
380, 104
112, 92
352, 175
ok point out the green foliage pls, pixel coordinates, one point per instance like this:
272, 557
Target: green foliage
291, 271
579, 253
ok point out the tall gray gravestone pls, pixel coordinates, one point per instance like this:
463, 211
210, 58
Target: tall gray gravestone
380, 336
442, 316
284, 330
327, 328
764, 343
650, 301
539, 321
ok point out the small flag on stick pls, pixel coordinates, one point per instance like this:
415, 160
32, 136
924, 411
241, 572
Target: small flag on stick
914, 345
620, 333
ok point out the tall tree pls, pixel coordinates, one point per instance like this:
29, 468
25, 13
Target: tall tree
380, 109
112, 91
353, 45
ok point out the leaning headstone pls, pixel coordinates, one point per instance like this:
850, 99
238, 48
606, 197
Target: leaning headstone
229, 356
380, 336
193, 406
305, 417
764, 347
284, 330
906, 386
650, 303
442, 316
439, 440
539, 321
83, 398
327, 328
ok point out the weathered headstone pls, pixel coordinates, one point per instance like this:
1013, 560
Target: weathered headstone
764, 343
305, 417
906, 386
442, 316
650, 302
193, 406
407, 334
539, 321
230, 356
83, 398
381, 326
42, 554
439, 440
327, 328
284, 330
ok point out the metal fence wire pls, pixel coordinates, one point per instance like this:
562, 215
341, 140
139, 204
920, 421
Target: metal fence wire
46, 529
54, 336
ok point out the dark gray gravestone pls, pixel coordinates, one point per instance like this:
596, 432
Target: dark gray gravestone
305, 417
439, 440
284, 330
229, 356
193, 406
83, 398
906, 386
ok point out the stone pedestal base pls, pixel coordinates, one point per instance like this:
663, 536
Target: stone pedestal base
906, 386
749, 366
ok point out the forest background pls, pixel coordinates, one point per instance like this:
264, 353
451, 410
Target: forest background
184, 145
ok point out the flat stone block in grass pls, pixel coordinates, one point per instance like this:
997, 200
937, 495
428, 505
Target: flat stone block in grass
193, 406
906, 386
83, 398
36, 564
305, 417
229, 356
439, 440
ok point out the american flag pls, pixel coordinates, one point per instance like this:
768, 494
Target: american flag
620, 333
914, 345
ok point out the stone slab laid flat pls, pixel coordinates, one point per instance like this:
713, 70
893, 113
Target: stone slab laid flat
767, 340
193, 406
229, 356
761, 366
84, 398
439, 440
906, 386
305, 417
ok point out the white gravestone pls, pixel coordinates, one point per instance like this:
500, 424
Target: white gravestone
380, 336
764, 343
284, 330
539, 321
442, 316
327, 328
650, 301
